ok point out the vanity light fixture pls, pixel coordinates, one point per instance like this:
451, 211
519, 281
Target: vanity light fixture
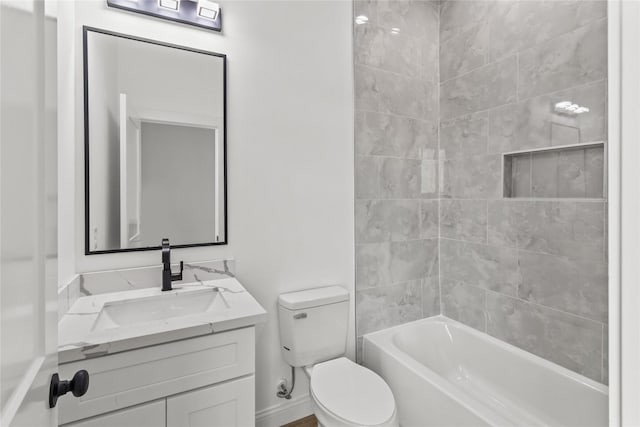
395, 30
569, 108
361, 19
169, 4
208, 9
200, 13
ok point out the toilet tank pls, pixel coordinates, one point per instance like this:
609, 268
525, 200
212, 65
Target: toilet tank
313, 325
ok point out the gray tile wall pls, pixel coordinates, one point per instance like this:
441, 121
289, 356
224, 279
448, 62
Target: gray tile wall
530, 272
436, 106
396, 145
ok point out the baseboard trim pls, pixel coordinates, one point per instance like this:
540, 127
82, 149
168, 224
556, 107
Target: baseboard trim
285, 412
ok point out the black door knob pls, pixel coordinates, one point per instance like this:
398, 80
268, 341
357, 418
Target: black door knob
78, 385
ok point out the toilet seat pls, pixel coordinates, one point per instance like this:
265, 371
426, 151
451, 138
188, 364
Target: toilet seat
352, 394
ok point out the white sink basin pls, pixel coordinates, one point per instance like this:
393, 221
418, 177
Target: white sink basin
159, 308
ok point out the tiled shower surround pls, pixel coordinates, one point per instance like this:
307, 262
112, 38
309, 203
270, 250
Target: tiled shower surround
434, 232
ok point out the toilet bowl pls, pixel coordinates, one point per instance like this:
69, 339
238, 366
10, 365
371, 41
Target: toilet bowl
313, 335
345, 394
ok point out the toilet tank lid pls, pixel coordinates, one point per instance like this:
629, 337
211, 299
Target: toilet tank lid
313, 297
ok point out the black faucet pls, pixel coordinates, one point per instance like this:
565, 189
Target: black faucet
167, 275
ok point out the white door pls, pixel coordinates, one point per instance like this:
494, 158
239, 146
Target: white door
28, 205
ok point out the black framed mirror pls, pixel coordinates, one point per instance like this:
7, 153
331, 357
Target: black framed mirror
155, 144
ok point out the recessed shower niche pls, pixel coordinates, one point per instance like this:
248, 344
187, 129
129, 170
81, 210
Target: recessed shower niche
571, 171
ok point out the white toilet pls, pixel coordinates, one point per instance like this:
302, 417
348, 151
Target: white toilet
313, 335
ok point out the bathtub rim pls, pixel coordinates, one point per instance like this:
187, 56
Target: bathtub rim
384, 342
386, 335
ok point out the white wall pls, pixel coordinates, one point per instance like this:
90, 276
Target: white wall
290, 152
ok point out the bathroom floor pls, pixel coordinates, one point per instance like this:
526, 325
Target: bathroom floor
309, 421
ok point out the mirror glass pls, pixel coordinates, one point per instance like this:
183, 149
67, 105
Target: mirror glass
154, 144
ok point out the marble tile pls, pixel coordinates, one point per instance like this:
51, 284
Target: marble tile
457, 16
571, 229
571, 173
429, 219
419, 18
386, 92
373, 265
413, 259
574, 286
368, 8
544, 174
483, 266
378, 47
464, 136
472, 177
464, 220
367, 179
429, 53
429, 147
594, 172
521, 176
516, 25
367, 89
508, 177
569, 60
383, 307
383, 264
483, 88
430, 296
567, 340
464, 303
505, 26
464, 52
386, 135
400, 178
386, 220
534, 124
430, 179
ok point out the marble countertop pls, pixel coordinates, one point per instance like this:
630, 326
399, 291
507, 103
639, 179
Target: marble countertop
80, 338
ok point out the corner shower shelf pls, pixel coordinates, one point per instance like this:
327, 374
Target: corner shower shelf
575, 171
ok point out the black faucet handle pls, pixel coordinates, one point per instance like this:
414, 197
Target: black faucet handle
178, 276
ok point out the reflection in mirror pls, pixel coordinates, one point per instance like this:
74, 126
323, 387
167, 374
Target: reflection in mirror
154, 144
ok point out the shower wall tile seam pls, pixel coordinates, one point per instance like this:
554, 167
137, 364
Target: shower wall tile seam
395, 73
401, 116
384, 156
534, 304
516, 248
547, 94
397, 241
466, 73
490, 61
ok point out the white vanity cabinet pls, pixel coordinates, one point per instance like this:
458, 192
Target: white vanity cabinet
222, 405
203, 381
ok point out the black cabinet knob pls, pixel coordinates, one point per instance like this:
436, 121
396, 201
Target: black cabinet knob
78, 385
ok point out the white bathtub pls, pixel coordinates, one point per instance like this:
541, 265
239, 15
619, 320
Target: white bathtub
443, 373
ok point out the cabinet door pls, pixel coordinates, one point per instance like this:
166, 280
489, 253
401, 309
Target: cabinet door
148, 415
230, 404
